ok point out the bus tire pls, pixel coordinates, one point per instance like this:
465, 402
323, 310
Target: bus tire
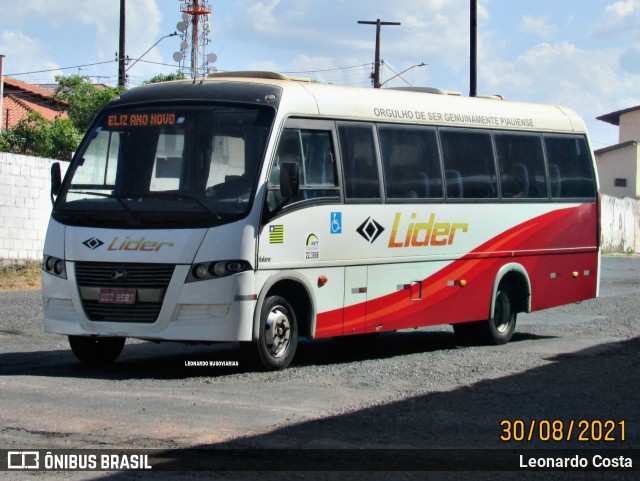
494, 331
96, 351
500, 328
278, 338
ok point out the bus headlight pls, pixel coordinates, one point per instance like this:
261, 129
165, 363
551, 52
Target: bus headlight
54, 266
200, 271
218, 269
215, 269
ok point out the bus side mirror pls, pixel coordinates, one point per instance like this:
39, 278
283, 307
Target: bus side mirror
56, 180
289, 179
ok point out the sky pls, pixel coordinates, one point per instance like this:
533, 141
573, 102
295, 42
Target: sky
582, 54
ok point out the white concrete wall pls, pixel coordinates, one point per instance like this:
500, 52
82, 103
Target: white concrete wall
24, 205
620, 220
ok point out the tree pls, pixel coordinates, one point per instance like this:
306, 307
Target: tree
165, 78
35, 135
84, 99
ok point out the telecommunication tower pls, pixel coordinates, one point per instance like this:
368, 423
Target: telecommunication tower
194, 33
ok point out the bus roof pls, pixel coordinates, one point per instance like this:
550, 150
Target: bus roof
302, 97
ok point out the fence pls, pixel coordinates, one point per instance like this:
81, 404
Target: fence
25, 207
620, 220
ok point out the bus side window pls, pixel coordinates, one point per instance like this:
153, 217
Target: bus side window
411, 163
359, 161
570, 167
469, 164
312, 150
521, 166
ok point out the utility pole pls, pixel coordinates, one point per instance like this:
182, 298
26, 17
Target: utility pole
122, 78
473, 49
376, 66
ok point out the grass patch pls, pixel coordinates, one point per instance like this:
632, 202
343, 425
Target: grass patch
20, 275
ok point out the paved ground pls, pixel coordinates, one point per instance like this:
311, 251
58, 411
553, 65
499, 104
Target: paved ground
404, 390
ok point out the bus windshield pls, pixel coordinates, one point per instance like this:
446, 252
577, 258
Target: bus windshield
166, 166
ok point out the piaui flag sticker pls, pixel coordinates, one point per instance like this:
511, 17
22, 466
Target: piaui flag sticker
276, 234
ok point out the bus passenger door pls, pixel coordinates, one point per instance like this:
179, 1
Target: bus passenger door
355, 298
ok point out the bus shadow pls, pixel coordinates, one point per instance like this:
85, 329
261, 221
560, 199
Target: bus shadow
384, 345
148, 360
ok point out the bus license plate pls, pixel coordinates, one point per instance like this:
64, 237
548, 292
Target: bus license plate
117, 296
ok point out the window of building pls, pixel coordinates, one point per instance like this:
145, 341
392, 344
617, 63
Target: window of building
618, 182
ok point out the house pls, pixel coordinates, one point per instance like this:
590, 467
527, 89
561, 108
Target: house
619, 164
20, 98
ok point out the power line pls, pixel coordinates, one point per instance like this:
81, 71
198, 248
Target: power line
59, 68
399, 75
327, 69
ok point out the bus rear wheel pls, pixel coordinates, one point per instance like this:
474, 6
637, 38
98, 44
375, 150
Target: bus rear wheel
96, 350
497, 330
500, 328
278, 337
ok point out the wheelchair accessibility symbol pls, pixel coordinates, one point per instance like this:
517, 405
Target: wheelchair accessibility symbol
336, 222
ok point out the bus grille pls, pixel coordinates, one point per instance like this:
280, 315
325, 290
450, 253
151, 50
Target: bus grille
149, 280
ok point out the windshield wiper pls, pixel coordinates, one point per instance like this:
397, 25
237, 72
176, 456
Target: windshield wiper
106, 196
181, 195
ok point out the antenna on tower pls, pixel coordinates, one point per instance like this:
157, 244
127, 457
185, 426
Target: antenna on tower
194, 33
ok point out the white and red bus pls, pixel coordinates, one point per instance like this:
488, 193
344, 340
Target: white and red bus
256, 208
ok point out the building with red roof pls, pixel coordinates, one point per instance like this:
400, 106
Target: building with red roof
21, 98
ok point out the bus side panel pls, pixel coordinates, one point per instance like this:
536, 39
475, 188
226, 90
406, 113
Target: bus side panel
561, 266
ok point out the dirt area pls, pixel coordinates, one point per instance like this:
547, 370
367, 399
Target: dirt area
18, 276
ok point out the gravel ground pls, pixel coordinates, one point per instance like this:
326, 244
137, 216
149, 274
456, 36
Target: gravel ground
408, 390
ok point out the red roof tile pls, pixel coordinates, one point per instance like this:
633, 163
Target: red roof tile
15, 109
20, 98
19, 84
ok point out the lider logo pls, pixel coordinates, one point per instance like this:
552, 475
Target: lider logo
141, 244
421, 234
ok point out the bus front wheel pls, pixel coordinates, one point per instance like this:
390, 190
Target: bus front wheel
278, 337
96, 350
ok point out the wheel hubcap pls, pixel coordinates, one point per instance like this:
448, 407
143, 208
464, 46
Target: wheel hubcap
277, 331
